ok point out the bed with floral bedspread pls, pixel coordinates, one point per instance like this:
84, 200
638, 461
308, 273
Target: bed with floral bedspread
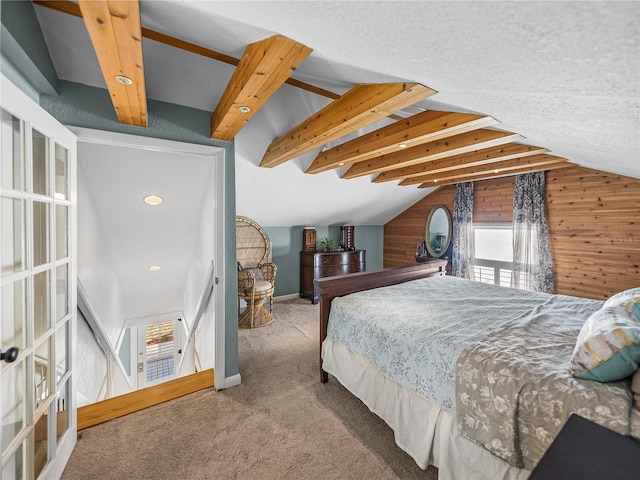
473, 378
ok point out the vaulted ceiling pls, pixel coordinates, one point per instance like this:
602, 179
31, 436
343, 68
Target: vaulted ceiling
399, 93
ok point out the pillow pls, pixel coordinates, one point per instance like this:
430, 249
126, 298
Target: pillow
623, 297
608, 346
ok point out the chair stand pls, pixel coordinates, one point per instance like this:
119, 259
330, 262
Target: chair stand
255, 315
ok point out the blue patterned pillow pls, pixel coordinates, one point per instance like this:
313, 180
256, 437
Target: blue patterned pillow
608, 346
633, 294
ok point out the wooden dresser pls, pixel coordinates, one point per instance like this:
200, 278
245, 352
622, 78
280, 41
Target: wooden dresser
319, 265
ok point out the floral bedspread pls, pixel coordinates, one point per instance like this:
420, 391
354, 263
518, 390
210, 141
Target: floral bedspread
514, 389
414, 332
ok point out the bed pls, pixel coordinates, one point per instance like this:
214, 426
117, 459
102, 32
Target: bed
473, 378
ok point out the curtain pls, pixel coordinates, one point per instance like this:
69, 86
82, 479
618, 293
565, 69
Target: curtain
463, 244
532, 264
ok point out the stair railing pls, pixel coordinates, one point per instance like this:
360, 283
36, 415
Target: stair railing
201, 308
103, 341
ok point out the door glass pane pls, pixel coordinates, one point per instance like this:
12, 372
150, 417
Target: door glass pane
62, 291
14, 468
61, 351
40, 445
62, 223
62, 189
41, 303
11, 141
62, 411
40, 233
42, 379
40, 163
13, 235
14, 315
13, 403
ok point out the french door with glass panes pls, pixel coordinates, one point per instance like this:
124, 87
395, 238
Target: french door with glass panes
38, 289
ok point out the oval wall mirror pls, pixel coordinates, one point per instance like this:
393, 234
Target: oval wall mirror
438, 231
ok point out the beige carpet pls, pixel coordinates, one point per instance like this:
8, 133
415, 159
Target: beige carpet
280, 423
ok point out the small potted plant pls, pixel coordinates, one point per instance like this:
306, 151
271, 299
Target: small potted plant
327, 244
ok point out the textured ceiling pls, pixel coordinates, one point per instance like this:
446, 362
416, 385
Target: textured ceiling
565, 75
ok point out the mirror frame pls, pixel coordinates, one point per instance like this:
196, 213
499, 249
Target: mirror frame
427, 227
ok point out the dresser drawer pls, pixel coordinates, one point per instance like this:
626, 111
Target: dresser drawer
333, 258
330, 271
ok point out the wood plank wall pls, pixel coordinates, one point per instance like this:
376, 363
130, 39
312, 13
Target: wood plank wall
594, 224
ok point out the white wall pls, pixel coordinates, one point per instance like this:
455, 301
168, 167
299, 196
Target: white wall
94, 265
196, 278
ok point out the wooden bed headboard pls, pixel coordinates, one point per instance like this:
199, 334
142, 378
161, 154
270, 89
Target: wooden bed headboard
332, 287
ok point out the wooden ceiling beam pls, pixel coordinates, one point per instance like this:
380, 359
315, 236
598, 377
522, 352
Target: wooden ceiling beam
448, 147
495, 169
363, 105
114, 29
418, 129
263, 68
487, 176
476, 158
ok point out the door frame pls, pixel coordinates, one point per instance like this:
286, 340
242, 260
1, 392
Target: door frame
216, 155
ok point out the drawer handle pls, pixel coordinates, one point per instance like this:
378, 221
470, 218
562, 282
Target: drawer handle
325, 260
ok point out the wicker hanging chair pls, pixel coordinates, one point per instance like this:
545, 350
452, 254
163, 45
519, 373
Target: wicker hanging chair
256, 274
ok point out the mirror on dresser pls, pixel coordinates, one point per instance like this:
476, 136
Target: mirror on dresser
438, 231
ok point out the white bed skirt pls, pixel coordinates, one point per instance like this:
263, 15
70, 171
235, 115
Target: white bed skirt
421, 428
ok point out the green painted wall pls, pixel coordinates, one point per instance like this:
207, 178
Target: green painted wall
125, 351
287, 244
23, 47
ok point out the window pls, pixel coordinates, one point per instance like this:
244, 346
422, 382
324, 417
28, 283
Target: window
493, 261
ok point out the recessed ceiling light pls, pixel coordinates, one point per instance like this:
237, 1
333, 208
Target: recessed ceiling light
124, 80
244, 109
402, 145
153, 200
155, 268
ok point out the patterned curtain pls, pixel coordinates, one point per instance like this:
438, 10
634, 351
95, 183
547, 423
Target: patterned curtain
532, 264
463, 244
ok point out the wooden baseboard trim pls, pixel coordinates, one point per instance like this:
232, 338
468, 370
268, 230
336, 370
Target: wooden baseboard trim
115, 407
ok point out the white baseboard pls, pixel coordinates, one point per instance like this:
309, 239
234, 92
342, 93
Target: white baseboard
232, 381
282, 298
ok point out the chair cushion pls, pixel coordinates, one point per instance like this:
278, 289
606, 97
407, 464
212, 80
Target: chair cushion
262, 286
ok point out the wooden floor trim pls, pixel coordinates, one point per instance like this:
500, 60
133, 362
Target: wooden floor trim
115, 407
